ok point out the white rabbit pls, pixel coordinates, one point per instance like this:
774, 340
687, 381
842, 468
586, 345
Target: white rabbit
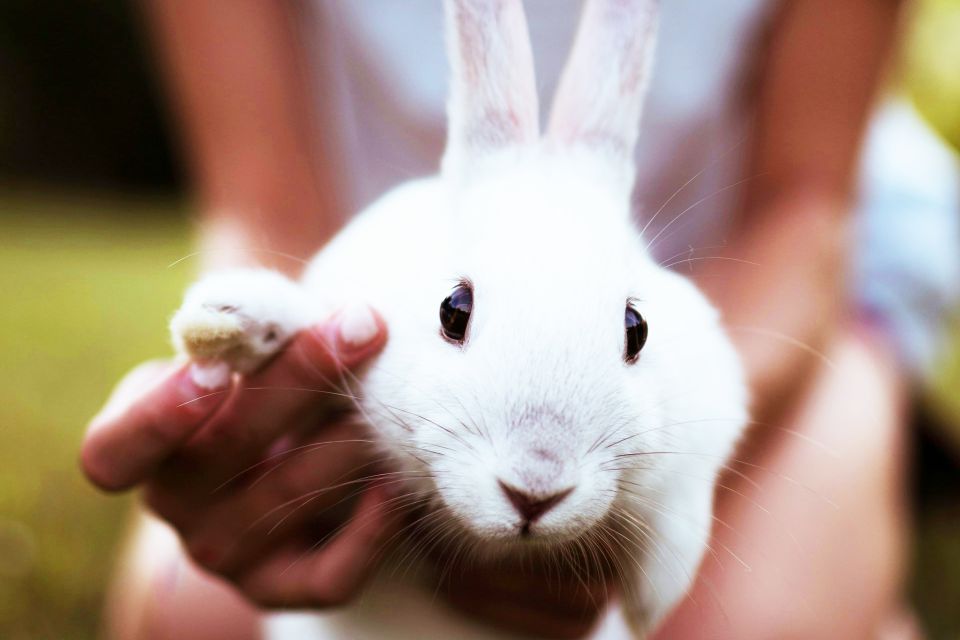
541, 414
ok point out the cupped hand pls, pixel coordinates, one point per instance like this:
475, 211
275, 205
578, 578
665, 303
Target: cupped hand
534, 595
264, 484
270, 489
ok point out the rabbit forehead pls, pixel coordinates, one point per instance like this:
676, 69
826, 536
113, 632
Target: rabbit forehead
542, 173
540, 217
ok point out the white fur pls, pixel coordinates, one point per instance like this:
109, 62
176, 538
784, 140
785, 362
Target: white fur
602, 90
241, 316
539, 396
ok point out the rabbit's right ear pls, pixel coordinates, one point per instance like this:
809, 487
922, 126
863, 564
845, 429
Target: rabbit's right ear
493, 98
601, 93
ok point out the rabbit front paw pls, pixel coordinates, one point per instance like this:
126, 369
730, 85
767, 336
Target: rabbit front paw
237, 320
678, 534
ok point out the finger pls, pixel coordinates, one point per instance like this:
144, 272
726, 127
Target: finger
143, 378
291, 391
155, 409
529, 598
555, 591
520, 618
316, 480
334, 574
537, 578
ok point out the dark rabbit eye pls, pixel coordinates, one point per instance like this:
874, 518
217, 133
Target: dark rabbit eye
455, 313
636, 330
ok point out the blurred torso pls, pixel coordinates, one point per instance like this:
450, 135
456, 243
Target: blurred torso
382, 71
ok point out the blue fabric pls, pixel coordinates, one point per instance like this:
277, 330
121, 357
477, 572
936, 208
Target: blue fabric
907, 263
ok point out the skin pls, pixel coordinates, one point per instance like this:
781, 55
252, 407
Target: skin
261, 172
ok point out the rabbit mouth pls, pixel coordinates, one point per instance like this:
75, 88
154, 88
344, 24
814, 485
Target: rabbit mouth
513, 536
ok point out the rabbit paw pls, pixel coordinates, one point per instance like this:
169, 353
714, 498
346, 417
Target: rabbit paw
666, 572
237, 320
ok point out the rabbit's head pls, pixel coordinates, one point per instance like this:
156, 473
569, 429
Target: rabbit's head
567, 375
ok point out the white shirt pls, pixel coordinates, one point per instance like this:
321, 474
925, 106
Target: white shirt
385, 88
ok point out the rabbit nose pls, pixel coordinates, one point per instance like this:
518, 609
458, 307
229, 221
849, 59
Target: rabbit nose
529, 506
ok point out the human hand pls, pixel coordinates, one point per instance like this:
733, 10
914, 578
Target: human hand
188, 447
531, 596
256, 477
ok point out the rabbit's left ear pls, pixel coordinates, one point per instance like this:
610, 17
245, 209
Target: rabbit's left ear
601, 94
493, 96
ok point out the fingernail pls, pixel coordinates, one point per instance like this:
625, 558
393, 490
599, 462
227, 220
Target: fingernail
200, 388
358, 327
210, 376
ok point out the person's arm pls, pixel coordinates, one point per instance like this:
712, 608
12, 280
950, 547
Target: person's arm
824, 62
240, 86
821, 72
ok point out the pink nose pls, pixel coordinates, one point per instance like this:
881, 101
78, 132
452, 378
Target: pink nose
529, 506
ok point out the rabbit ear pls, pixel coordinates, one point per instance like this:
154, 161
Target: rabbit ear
601, 93
493, 96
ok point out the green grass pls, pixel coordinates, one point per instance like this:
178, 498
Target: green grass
85, 295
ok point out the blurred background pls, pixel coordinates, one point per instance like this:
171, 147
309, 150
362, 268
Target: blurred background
93, 212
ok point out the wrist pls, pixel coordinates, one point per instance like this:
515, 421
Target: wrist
229, 241
225, 243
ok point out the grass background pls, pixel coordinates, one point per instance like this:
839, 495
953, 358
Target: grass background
87, 296
86, 293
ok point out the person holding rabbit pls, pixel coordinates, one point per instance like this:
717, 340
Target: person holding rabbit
746, 160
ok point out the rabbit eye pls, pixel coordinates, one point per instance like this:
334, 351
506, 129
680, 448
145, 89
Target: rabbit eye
455, 313
636, 334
